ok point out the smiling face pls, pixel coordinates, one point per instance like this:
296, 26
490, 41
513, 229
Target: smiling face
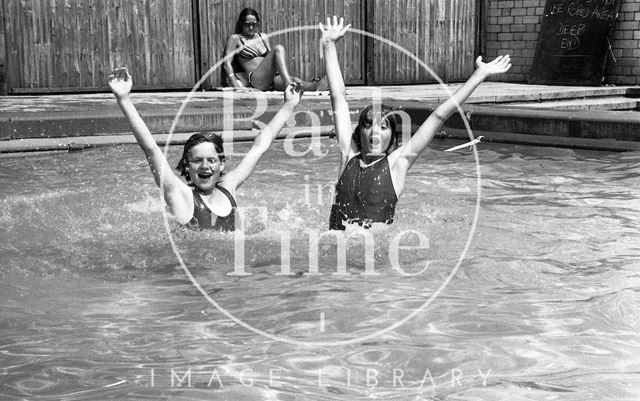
204, 167
376, 134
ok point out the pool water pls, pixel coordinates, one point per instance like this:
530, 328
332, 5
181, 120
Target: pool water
545, 306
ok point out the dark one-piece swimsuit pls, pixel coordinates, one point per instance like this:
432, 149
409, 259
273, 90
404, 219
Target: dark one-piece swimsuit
364, 195
203, 216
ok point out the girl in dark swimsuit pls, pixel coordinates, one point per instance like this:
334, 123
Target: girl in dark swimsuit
207, 199
373, 166
264, 66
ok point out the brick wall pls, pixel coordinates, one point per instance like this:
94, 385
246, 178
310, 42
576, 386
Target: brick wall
512, 26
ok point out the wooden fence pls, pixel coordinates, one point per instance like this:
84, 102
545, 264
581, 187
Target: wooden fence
72, 45
62, 44
441, 33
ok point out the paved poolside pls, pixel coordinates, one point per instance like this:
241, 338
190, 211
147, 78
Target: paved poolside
587, 117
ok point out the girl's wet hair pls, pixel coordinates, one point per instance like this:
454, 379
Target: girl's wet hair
366, 117
197, 139
243, 16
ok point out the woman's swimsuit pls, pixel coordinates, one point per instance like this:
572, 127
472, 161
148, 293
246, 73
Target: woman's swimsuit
249, 53
203, 218
364, 195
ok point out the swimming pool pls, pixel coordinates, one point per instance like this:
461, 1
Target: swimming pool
546, 304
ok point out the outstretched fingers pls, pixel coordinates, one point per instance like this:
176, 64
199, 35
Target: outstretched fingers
496, 66
500, 59
334, 28
502, 63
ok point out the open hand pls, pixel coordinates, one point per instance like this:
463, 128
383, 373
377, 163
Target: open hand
293, 93
333, 30
499, 65
120, 82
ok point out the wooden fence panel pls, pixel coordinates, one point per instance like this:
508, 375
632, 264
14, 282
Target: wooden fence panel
73, 45
442, 33
62, 44
218, 19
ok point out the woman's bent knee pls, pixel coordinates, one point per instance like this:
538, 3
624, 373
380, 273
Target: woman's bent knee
279, 49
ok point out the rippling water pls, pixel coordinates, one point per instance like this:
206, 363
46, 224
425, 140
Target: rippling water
545, 306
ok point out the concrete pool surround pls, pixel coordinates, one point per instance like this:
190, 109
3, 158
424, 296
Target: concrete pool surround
239, 234
556, 116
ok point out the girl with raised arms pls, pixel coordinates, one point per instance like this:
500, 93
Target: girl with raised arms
207, 199
373, 165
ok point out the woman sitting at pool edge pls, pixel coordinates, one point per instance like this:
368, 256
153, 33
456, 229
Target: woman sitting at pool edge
207, 199
265, 67
373, 166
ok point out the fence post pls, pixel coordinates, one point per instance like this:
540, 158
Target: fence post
369, 76
3, 54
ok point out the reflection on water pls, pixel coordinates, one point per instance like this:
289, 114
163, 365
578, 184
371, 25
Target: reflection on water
545, 306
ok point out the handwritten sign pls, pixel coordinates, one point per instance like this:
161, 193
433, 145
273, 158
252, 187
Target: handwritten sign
574, 42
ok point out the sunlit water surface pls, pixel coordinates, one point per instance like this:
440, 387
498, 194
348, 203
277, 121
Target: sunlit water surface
545, 306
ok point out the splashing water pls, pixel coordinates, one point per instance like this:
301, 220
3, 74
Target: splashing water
545, 306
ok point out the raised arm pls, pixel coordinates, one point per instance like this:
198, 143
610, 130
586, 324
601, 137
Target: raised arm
434, 122
238, 175
175, 191
331, 33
